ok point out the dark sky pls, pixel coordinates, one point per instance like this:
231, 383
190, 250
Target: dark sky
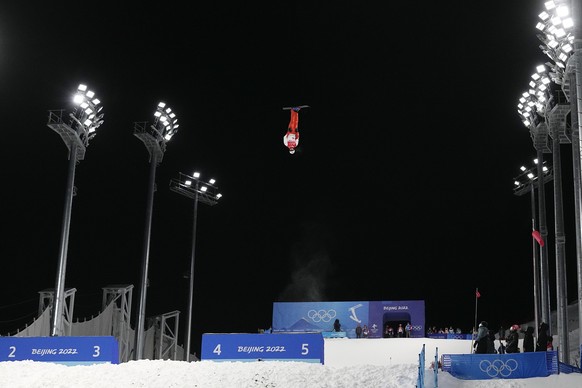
401, 188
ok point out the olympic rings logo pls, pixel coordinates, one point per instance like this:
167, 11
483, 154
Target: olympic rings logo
321, 315
498, 367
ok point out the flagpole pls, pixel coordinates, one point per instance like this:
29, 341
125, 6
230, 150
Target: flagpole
475, 325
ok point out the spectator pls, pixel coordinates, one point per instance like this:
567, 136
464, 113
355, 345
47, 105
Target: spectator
550, 343
365, 331
528, 339
542, 344
337, 326
491, 342
502, 334
459, 331
400, 331
482, 339
408, 329
358, 331
513, 340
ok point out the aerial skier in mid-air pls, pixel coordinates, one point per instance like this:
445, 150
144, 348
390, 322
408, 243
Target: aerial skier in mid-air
291, 138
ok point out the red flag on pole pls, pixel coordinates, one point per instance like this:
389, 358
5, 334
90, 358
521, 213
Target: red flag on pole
477, 294
538, 237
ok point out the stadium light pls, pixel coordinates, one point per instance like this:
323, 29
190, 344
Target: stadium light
206, 192
76, 128
154, 138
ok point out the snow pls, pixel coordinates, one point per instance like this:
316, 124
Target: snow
368, 363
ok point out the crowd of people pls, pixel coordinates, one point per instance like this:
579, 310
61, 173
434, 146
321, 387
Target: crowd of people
485, 340
398, 332
446, 330
362, 331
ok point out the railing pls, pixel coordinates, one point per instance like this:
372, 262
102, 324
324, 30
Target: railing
420, 380
436, 368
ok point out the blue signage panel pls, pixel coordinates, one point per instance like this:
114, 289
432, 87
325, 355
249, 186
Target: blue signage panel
385, 312
307, 347
61, 350
320, 316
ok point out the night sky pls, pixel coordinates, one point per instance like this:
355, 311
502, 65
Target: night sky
401, 188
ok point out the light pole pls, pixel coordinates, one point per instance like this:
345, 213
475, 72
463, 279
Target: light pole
206, 192
523, 184
560, 34
154, 138
576, 102
547, 117
531, 108
76, 129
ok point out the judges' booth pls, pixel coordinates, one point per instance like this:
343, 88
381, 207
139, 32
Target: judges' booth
320, 316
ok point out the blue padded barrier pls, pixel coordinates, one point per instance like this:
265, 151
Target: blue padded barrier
500, 366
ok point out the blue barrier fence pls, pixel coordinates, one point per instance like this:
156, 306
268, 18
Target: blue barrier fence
565, 368
500, 366
61, 350
334, 334
450, 336
421, 367
305, 347
505, 366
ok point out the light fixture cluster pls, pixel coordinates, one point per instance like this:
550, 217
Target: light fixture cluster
556, 26
87, 116
528, 176
532, 103
165, 124
193, 187
556, 34
206, 188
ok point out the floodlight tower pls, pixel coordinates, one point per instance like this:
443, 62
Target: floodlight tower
550, 116
76, 129
523, 184
154, 138
206, 192
561, 35
531, 108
